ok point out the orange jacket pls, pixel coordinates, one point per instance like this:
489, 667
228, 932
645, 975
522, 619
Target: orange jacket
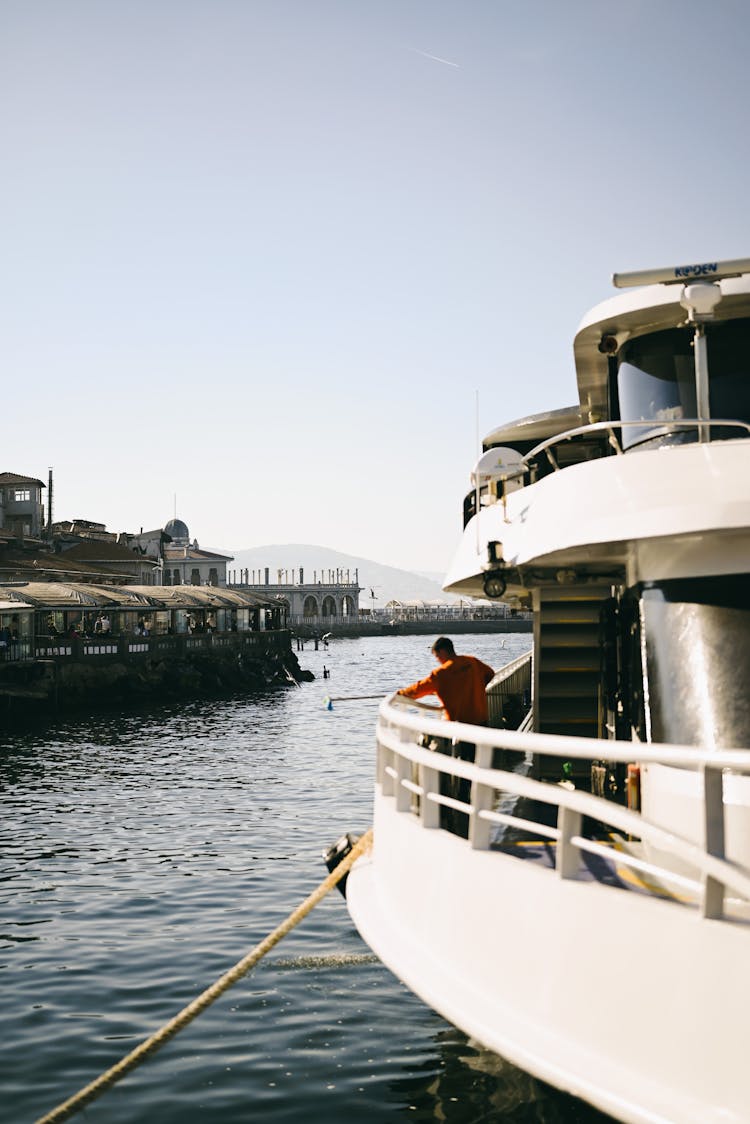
460, 685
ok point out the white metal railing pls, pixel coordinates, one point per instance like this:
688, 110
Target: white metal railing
409, 772
656, 426
486, 492
510, 683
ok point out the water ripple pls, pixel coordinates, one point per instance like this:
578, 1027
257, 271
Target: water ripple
145, 852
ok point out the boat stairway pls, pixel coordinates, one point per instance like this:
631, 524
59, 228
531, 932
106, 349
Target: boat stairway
567, 671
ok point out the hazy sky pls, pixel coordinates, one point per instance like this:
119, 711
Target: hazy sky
264, 254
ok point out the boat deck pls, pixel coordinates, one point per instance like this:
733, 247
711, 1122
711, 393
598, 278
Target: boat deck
606, 866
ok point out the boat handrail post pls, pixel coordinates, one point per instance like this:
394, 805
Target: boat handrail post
403, 767
713, 808
482, 800
430, 780
614, 443
384, 758
569, 825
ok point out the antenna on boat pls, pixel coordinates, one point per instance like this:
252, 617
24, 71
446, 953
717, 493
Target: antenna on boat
702, 271
477, 493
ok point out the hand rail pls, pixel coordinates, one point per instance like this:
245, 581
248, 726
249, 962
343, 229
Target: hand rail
566, 746
398, 757
661, 425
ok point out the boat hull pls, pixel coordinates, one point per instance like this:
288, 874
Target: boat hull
574, 982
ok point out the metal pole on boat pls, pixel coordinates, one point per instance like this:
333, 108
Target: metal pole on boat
700, 300
700, 351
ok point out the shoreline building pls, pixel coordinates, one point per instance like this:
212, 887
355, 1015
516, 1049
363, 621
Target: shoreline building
21, 507
332, 597
186, 564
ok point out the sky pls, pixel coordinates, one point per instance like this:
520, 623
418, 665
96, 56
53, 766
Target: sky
275, 264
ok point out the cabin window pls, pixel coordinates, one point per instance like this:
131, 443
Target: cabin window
728, 363
22, 495
656, 381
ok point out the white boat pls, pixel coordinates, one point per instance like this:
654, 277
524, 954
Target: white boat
594, 927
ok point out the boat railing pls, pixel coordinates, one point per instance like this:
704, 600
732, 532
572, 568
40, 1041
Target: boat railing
509, 693
657, 427
410, 766
491, 487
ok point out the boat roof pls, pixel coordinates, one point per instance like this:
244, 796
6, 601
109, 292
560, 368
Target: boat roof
633, 313
535, 428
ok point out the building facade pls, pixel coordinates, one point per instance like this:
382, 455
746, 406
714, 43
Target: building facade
21, 506
186, 564
332, 597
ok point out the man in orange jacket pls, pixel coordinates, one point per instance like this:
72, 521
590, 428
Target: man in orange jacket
459, 683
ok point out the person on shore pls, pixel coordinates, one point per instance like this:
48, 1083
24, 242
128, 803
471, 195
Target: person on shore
460, 682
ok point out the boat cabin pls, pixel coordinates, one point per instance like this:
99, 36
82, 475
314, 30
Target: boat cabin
635, 562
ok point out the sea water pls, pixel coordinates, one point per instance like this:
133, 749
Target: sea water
145, 851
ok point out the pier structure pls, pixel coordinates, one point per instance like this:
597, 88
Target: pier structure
72, 642
330, 599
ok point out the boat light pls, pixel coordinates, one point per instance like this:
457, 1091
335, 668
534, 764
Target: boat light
494, 585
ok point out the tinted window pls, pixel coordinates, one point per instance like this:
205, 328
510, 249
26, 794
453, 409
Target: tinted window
656, 379
729, 369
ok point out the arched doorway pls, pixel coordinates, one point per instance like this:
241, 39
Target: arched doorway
348, 608
329, 607
310, 607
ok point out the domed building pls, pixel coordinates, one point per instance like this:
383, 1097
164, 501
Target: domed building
178, 532
186, 564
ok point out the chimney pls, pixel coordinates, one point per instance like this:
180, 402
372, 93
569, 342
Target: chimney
49, 502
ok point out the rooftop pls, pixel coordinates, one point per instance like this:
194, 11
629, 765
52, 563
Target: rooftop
14, 478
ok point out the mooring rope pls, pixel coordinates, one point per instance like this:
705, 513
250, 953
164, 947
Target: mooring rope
84, 1097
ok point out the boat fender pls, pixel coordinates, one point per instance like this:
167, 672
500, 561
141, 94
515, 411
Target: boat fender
335, 854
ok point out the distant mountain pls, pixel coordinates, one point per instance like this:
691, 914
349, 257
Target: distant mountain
387, 582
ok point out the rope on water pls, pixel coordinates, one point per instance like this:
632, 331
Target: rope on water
84, 1097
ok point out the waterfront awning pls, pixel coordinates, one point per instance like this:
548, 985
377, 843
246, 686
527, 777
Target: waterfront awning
81, 595
55, 595
119, 596
202, 597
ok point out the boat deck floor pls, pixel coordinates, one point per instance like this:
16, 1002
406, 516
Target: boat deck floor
591, 868
612, 869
